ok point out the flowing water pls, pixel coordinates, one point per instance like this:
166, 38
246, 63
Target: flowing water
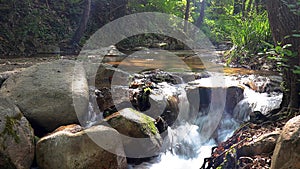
185, 144
191, 138
186, 147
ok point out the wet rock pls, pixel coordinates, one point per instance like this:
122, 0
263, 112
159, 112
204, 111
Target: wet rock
286, 153
171, 110
139, 133
158, 76
50, 94
234, 94
185, 77
203, 74
16, 137
142, 95
157, 104
161, 124
113, 97
263, 84
3, 77
72, 147
229, 95
264, 144
257, 117
112, 84
140, 99
255, 103
107, 76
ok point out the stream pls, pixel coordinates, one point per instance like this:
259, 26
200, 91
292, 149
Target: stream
187, 144
187, 149
191, 137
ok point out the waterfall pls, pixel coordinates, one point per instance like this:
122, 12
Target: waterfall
93, 115
186, 147
255, 101
190, 139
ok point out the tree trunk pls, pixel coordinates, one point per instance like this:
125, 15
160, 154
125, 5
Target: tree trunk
256, 4
243, 8
200, 19
284, 23
187, 14
249, 6
82, 25
236, 7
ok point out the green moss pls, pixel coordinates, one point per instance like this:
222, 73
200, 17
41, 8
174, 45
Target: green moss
149, 124
10, 127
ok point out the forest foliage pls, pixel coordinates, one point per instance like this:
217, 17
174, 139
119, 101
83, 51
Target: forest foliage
27, 27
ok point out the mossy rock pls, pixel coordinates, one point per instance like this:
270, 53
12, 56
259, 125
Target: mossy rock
139, 134
16, 137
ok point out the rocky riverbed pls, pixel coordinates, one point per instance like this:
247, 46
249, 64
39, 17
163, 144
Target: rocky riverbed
30, 102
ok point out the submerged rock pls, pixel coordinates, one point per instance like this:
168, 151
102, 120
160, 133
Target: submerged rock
286, 153
139, 135
16, 137
71, 147
45, 93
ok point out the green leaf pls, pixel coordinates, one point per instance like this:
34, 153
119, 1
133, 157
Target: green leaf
286, 46
278, 49
297, 71
296, 35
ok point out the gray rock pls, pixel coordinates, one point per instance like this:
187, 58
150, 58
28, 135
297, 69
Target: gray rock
16, 137
50, 94
139, 135
71, 147
286, 153
109, 97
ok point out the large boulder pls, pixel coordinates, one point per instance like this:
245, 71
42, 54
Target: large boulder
286, 153
71, 147
46, 92
139, 134
16, 137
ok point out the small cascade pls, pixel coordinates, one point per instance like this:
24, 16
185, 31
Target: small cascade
255, 101
186, 149
190, 138
94, 113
